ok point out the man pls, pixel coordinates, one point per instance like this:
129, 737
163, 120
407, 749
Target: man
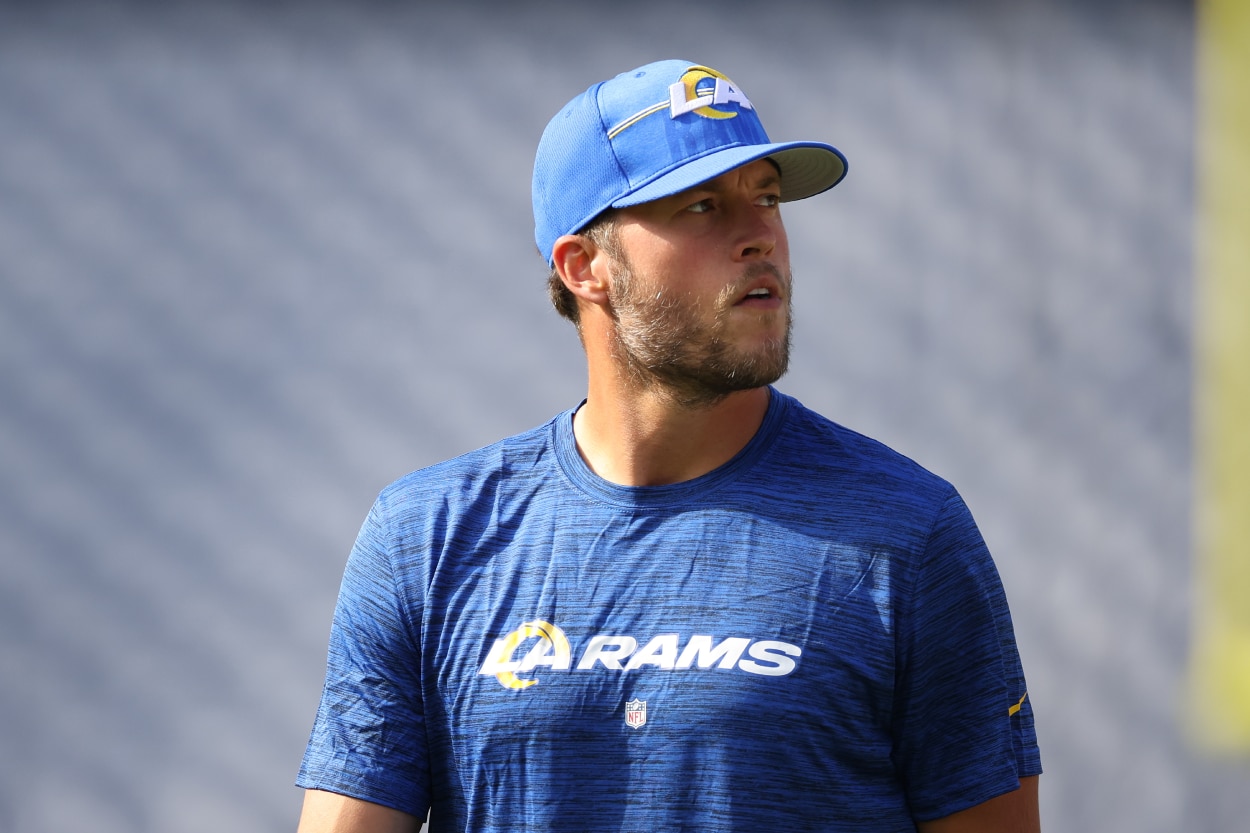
689, 603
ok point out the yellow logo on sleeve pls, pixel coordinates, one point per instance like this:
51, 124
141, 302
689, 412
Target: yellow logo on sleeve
1011, 712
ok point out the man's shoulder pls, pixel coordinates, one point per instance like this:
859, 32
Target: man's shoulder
510, 458
821, 442
820, 469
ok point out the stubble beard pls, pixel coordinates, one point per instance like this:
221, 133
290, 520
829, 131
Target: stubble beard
662, 344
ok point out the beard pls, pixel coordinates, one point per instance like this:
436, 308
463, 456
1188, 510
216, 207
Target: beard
667, 342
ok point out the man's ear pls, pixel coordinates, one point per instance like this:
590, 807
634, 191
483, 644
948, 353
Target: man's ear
583, 267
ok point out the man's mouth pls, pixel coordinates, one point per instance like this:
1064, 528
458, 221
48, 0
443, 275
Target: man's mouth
759, 295
765, 287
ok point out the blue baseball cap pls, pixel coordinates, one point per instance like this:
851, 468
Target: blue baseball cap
651, 133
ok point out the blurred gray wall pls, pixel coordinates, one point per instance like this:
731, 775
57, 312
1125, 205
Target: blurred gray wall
258, 260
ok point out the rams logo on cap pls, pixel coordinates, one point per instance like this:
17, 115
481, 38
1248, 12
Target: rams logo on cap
701, 91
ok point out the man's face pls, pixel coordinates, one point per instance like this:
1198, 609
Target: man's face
700, 287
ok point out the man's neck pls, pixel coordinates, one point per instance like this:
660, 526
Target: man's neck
644, 438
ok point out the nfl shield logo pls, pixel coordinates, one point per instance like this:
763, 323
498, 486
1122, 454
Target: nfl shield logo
635, 713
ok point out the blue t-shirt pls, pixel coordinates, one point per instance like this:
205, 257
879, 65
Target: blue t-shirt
811, 637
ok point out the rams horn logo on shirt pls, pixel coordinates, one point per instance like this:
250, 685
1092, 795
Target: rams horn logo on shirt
552, 650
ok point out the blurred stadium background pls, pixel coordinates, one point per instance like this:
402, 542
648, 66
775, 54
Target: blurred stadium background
258, 260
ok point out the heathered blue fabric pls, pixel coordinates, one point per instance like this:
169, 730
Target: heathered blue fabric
816, 551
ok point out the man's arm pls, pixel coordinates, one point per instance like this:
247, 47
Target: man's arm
1013, 812
327, 812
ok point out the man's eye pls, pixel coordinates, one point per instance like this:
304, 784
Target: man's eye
770, 200
700, 207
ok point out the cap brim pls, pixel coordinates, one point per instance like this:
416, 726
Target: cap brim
807, 169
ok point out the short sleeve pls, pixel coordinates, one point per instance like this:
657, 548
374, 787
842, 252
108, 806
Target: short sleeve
369, 740
963, 724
